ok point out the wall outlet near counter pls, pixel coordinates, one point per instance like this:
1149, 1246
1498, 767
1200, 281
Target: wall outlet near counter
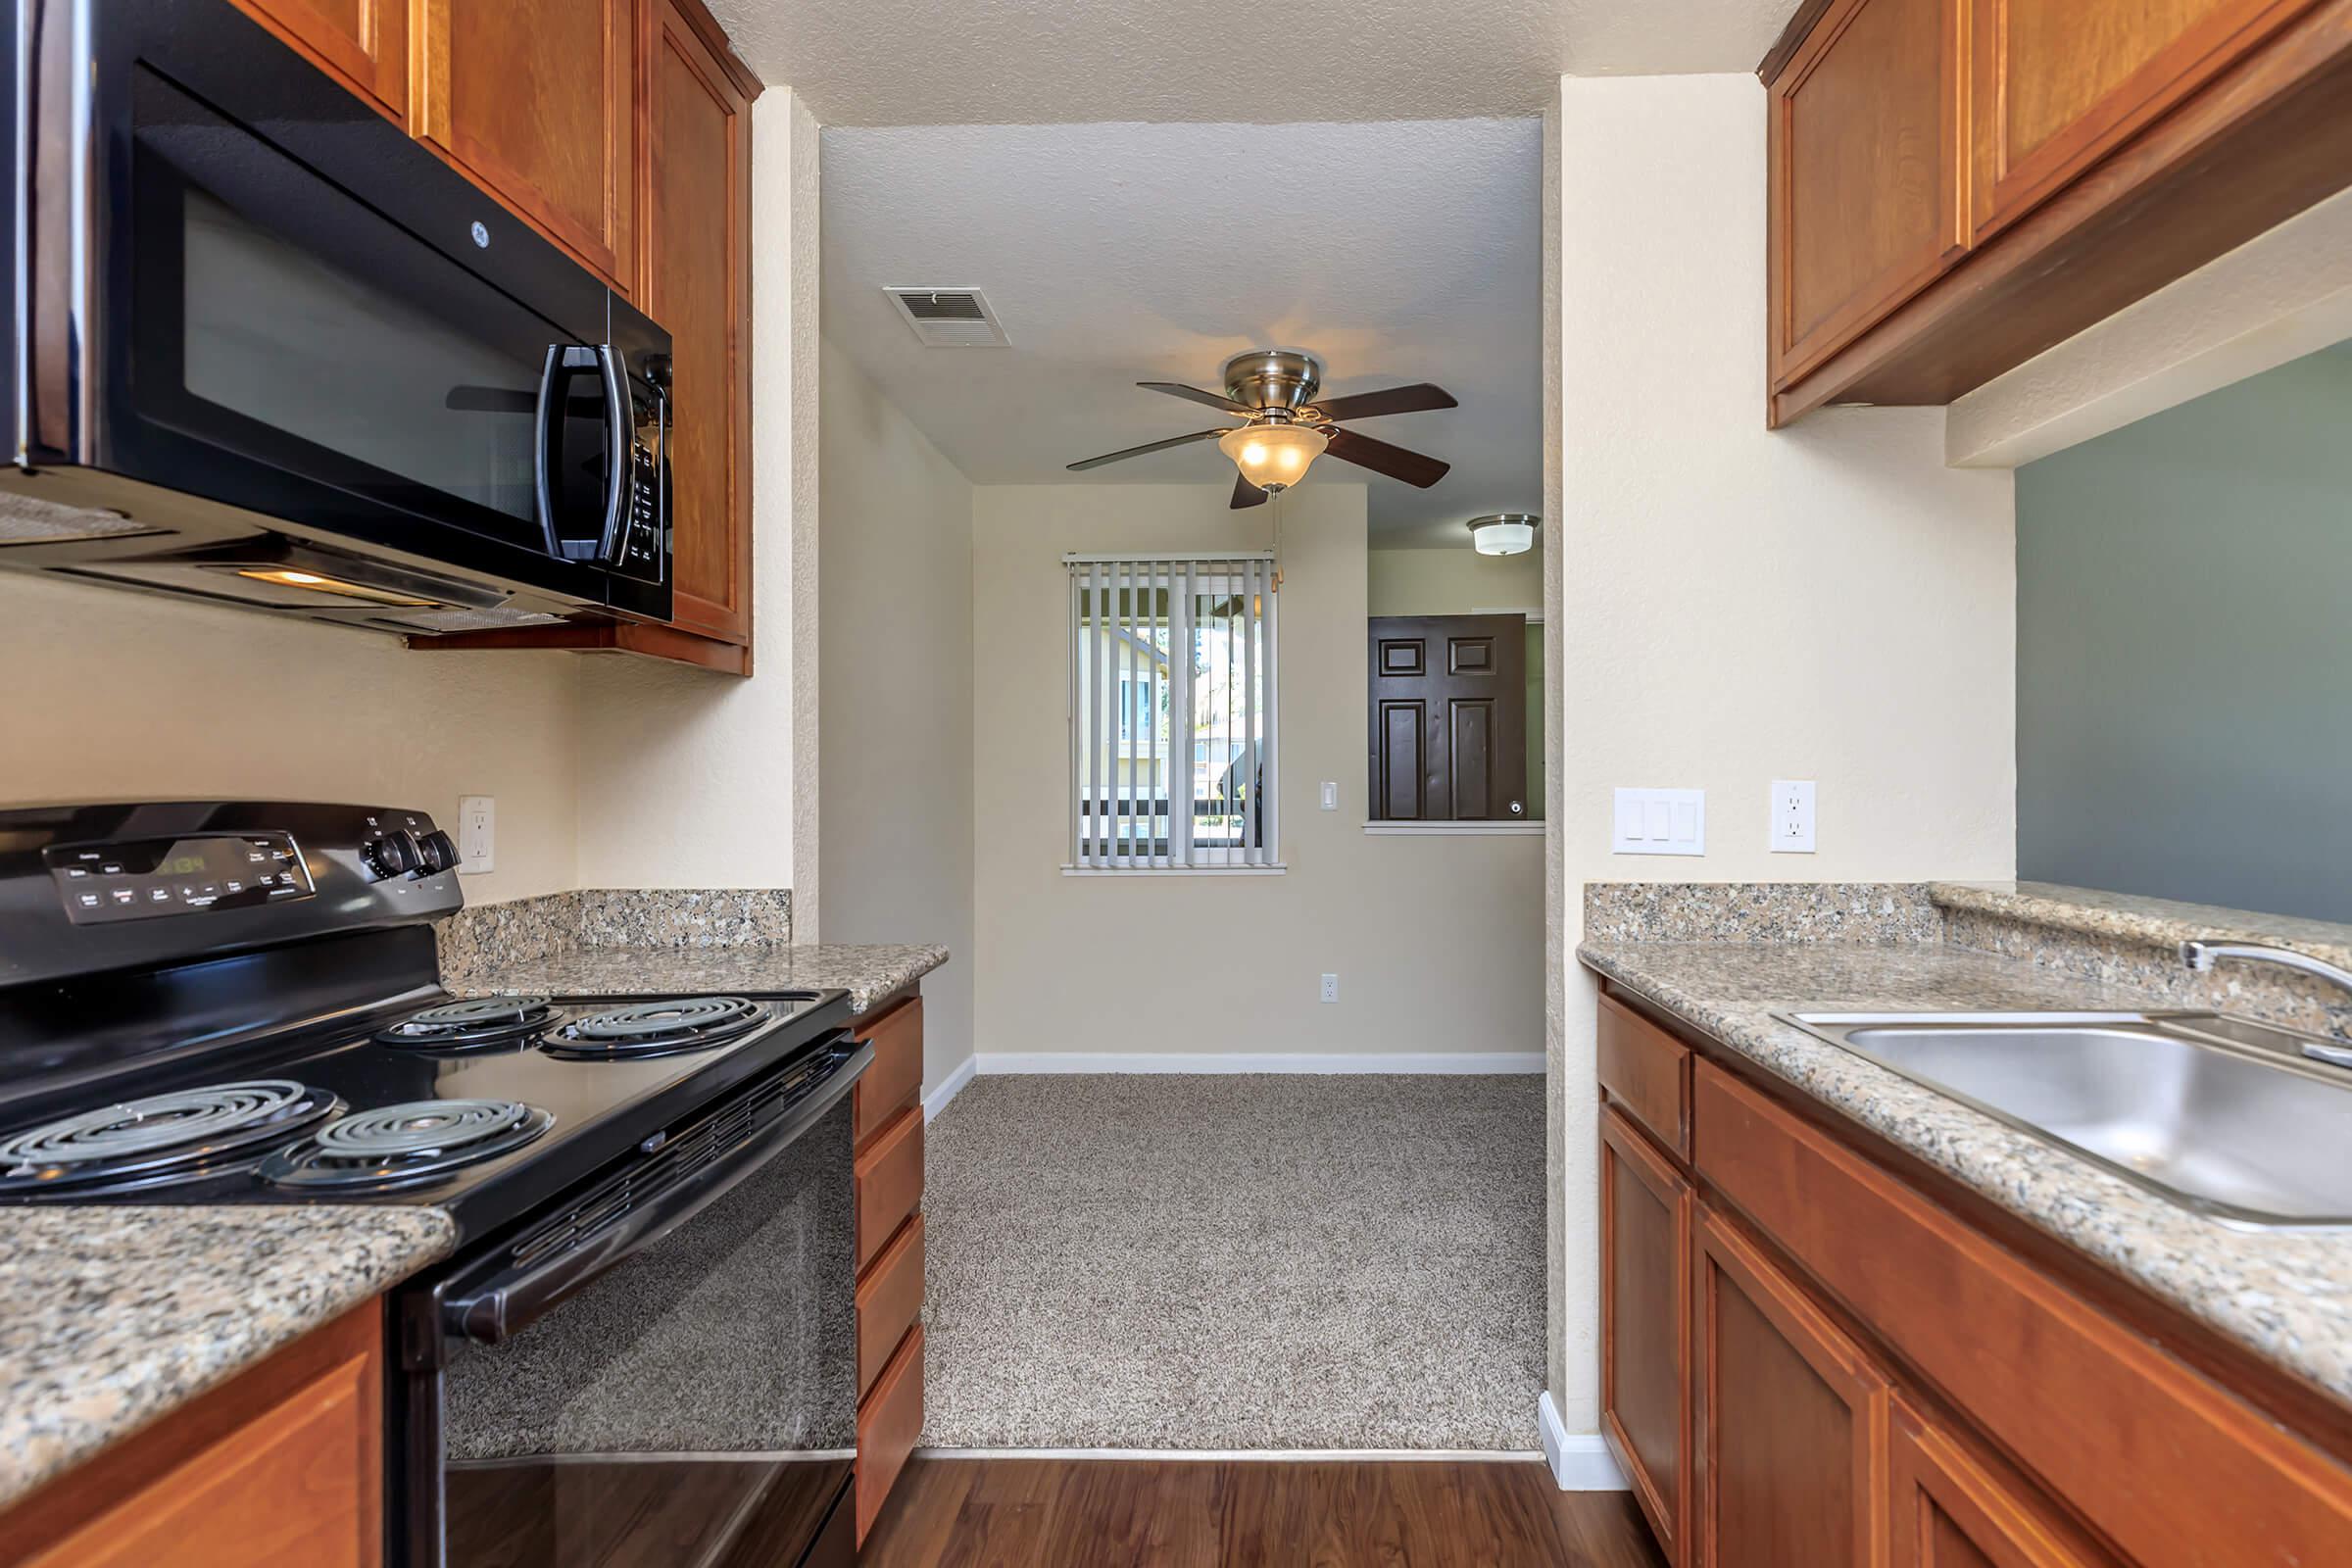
1331, 988
478, 834
1792, 817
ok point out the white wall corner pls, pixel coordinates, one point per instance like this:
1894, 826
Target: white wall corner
1580, 1460
936, 1101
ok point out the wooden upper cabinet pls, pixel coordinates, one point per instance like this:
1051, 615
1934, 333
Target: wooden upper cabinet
2057, 84
1868, 169
1645, 1211
696, 283
363, 43
537, 101
1792, 1421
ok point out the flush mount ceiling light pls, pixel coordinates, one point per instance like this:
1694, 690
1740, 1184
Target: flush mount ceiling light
1291, 425
1504, 533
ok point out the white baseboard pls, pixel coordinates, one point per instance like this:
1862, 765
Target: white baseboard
1252, 1455
948, 1088
1230, 1061
1580, 1460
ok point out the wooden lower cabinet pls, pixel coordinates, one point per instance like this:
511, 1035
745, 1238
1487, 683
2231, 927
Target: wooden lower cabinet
1955, 1509
280, 1468
1791, 1420
888, 1117
1645, 1211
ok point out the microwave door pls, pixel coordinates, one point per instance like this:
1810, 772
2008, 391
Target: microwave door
580, 466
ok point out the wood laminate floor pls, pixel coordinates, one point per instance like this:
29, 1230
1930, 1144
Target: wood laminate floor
1147, 1513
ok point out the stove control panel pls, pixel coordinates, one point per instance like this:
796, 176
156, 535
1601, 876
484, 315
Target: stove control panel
406, 844
143, 879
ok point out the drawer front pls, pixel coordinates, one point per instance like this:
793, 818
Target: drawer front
890, 1183
889, 1424
2173, 1467
890, 1298
1648, 1072
897, 1075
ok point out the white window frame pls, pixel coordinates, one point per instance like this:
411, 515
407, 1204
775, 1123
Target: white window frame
1096, 580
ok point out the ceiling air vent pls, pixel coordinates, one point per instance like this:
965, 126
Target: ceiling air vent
949, 318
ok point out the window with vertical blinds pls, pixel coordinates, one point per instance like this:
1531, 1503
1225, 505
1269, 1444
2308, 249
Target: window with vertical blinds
1173, 703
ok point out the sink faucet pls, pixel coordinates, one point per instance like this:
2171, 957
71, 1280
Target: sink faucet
2202, 954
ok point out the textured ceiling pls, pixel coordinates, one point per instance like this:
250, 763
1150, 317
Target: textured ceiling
1114, 254
1057, 62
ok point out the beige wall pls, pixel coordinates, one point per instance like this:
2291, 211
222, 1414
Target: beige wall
1453, 582
895, 569
686, 779
111, 694
1434, 941
1829, 602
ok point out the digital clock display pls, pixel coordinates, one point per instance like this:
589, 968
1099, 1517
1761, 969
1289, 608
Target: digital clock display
181, 863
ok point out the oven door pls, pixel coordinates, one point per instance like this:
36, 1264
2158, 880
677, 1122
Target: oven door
246, 288
663, 1365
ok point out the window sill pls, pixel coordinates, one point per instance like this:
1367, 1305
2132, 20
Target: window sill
1454, 830
1276, 869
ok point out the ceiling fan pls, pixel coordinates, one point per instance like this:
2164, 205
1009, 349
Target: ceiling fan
1274, 391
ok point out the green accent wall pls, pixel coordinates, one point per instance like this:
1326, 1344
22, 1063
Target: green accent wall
2184, 649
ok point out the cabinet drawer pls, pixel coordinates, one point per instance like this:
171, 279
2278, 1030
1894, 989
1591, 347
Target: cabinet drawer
1646, 1072
890, 1183
890, 1298
889, 1424
2169, 1464
897, 1075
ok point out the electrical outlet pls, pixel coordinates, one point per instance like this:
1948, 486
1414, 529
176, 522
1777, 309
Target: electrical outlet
1331, 988
1792, 817
478, 834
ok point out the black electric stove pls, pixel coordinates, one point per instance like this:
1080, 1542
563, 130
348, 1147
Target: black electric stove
239, 1002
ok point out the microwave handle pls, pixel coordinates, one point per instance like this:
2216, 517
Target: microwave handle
621, 433
545, 415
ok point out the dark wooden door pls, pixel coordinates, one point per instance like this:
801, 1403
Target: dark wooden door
1792, 1421
1645, 1211
1449, 718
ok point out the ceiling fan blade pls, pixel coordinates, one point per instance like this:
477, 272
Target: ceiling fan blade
1148, 446
1381, 458
1193, 394
1246, 494
1412, 399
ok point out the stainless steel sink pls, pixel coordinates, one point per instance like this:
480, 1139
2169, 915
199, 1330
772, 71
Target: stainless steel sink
2222, 1115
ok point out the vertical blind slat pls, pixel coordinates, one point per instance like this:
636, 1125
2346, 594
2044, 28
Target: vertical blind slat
1094, 717
1254, 851
1273, 818
1077, 730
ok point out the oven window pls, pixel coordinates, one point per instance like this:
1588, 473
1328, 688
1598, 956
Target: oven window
281, 336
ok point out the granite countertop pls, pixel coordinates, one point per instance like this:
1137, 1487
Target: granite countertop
2285, 1294
119, 1315
868, 972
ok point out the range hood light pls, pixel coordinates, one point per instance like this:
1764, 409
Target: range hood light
287, 577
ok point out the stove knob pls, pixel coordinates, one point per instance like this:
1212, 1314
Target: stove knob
396, 854
439, 852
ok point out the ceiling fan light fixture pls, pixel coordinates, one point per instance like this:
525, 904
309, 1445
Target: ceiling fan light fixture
1273, 457
1504, 533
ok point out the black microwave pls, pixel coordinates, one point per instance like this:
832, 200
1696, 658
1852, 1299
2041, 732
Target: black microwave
269, 350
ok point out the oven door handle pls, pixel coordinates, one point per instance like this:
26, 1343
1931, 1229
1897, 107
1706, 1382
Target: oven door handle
499, 1300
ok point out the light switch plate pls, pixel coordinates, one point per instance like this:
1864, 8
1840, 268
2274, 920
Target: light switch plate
1331, 795
1792, 817
1660, 822
478, 834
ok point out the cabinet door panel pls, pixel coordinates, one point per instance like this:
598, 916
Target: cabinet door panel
2058, 83
363, 42
1868, 171
537, 100
697, 256
1645, 1208
1956, 1509
1791, 1418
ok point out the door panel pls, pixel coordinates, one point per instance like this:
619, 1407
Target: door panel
1955, 1509
1791, 1420
1448, 717
697, 256
2056, 84
1866, 168
1646, 1210
537, 100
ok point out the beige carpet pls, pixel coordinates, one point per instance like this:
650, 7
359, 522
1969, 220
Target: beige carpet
1236, 1262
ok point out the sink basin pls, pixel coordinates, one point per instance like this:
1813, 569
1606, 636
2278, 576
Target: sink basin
2218, 1115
